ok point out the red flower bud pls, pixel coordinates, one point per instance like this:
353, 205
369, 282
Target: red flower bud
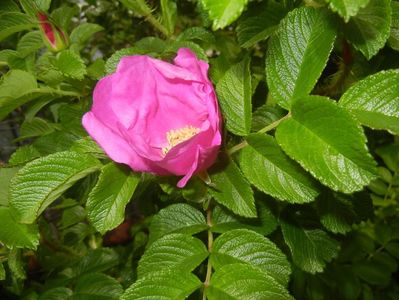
53, 36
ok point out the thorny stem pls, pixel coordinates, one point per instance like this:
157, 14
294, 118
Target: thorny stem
263, 130
210, 244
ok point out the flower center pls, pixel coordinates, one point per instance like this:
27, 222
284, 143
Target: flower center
178, 136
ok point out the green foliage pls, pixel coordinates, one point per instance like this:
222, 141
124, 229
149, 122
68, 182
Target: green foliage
245, 246
347, 9
109, 197
369, 30
234, 92
374, 101
301, 202
240, 281
232, 190
334, 150
277, 175
43, 180
296, 58
223, 12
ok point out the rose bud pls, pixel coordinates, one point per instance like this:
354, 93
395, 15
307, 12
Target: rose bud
53, 36
157, 117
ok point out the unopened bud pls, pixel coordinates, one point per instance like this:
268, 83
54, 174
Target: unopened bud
55, 39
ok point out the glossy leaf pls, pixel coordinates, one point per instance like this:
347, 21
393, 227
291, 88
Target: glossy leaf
16, 235
230, 189
246, 246
13, 22
163, 285
328, 143
107, 200
261, 24
97, 286
374, 101
311, 249
43, 180
223, 12
276, 174
224, 220
298, 53
174, 252
369, 30
347, 8
241, 281
177, 218
234, 94
336, 213
82, 33
393, 40
70, 64
30, 43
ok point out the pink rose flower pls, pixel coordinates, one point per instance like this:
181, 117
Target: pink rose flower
157, 117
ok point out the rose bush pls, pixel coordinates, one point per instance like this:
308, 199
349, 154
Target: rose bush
157, 117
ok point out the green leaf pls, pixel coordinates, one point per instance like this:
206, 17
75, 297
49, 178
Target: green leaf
58, 293
196, 33
169, 14
265, 115
5, 177
163, 285
224, 220
32, 7
97, 286
87, 145
393, 40
13, 22
70, 64
23, 155
98, 260
241, 281
62, 16
16, 264
234, 94
43, 180
83, 32
261, 24
328, 143
30, 43
377, 270
223, 12
336, 213
12, 96
8, 5
172, 252
13, 234
374, 101
35, 127
107, 201
298, 53
230, 189
2, 272
275, 173
369, 30
177, 218
311, 249
347, 8
246, 246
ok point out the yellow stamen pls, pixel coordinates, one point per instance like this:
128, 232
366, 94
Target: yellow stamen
175, 137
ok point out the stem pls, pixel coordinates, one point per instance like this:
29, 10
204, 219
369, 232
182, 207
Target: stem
210, 244
263, 130
154, 22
